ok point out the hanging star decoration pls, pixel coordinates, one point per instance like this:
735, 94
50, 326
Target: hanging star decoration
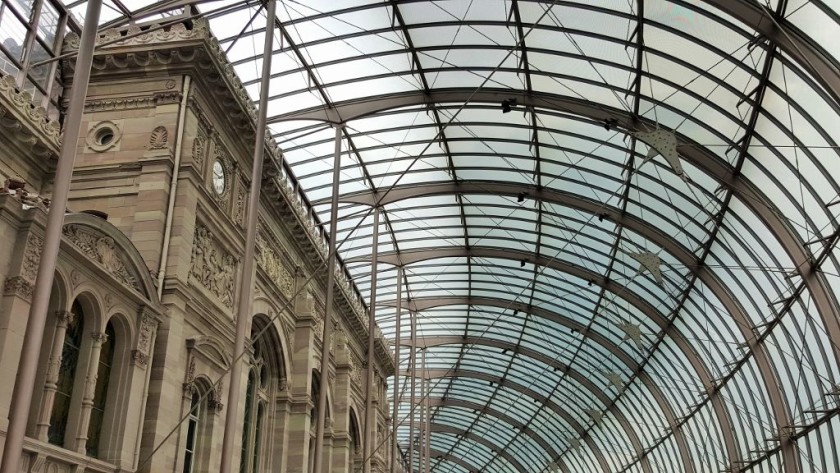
632, 332
662, 143
649, 262
614, 379
595, 414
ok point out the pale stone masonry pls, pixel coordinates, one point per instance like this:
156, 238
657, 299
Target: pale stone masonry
168, 348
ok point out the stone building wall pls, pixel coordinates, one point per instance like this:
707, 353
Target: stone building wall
154, 100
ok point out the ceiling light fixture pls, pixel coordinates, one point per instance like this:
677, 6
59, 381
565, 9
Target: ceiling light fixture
507, 104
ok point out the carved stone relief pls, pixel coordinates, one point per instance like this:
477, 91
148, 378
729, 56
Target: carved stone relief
18, 286
239, 205
199, 150
274, 261
102, 249
212, 266
32, 256
159, 139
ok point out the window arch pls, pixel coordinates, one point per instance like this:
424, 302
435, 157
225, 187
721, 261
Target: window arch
70, 354
265, 376
355, 442
103, 377
198, 426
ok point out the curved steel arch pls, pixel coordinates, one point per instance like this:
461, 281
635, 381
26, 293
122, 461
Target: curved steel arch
703, 372
700, 157
656, 393
554, 407
473, 437
452, 401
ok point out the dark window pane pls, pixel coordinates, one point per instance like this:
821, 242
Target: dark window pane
66, 377
100, 396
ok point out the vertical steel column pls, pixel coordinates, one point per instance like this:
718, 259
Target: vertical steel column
421, 443
395, 449
428, 403
325, 346
413, 397
370, 415
243, 311
25, 379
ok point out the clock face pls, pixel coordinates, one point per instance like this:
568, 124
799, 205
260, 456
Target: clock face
219, 177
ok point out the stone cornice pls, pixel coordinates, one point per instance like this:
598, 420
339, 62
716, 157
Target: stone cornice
195, 48
29, 124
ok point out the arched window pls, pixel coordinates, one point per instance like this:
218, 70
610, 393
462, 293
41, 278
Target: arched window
103, 376
193, 431
355, 443
248, 424
263, 378
66, 376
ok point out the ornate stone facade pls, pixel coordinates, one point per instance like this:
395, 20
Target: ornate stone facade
275, 262
212, 266
102, 249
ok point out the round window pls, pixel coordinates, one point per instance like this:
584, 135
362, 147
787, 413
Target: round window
104, 136
219, 177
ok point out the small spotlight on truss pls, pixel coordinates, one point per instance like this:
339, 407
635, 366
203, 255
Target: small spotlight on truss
609, 123
507, 105
522, 263
521, 197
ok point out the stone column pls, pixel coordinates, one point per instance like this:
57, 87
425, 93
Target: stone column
341, 404
90, 388
300, 381
280, 428
65, 318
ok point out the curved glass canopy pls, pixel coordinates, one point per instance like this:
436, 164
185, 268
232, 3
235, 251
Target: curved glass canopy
615, 220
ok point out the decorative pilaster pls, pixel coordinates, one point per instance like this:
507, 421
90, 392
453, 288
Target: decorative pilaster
64, 319
98, 339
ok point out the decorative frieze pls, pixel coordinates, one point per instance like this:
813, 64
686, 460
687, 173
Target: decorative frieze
111, 104
102, 249
212, 266
138, 358
275, 262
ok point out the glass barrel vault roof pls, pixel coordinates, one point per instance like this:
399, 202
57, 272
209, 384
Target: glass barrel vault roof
633, 267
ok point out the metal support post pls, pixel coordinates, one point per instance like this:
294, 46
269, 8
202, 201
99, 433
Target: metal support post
413, 397
395, 449
243, 311
428, 402
30, 351
370, 380
325, 346
421, 443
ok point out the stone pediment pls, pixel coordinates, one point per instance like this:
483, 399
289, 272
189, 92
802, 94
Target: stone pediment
103, 250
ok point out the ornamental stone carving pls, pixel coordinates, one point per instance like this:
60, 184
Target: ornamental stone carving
138, 358
239, 205
274, 263
159, 139
102, 249
212, 266
147, 328
32, 256
18, 286
21, 102
199, 149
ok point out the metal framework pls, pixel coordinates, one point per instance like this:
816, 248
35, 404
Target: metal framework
615, 225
